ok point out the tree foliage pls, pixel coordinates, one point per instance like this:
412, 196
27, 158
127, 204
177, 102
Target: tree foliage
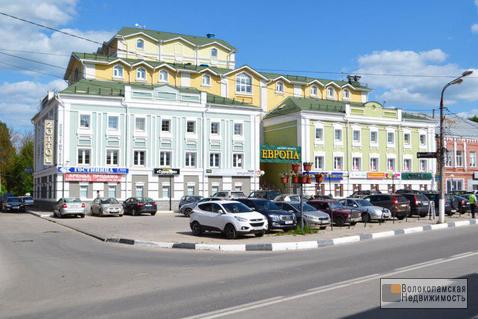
474, 118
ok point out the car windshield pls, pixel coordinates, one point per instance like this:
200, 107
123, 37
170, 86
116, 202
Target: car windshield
27, 198
306, 207
236, 208
109, 201
72, 200
238, 194
144, 199
266, 205
363, 202
13, 199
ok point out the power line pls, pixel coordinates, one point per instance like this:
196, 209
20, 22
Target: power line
29, 70
34, 52
32, 60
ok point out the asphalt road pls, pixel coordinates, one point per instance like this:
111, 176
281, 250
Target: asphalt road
48, 271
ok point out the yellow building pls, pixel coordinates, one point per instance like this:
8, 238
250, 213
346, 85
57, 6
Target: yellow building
136, 55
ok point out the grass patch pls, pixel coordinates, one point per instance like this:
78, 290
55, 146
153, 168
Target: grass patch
298, 231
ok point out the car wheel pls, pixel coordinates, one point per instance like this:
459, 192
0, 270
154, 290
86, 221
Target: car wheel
365, 218
82, 216
197, 229
323, 227
260, 234
353, 223
230, 232
152, 214
401, 217
339, 221
187, 212
423, 215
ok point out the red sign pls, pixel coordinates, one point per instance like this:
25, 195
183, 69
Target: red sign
93, 178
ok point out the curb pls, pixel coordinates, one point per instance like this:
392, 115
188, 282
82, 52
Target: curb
284, 246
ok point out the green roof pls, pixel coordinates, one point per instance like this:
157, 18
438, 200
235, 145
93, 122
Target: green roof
416, 116
160, 35
297, 104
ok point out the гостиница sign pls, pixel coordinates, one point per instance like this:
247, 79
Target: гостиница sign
280, 154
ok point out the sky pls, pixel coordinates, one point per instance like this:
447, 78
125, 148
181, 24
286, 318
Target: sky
406, 51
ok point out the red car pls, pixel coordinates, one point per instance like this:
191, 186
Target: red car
337, 212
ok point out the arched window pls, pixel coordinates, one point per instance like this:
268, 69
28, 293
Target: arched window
279, 87
141, 74
243, 83
330, 92
163, 76
313, 90
118, 71
346, 94
140, 44
206, 80
214, 52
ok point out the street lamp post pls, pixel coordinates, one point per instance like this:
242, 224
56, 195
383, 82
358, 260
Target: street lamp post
441, 151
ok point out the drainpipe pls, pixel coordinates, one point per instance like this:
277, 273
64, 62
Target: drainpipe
123, 103
203, 147
347, 152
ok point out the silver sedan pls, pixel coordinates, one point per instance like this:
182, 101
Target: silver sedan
106, 207
369, 212
69, 207
312, 216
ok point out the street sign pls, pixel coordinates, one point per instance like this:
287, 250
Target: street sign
426, 155
93, 170
166, 171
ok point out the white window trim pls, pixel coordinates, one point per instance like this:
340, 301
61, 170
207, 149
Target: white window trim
374, 156
343, 95
361, 162
409, 145
163, 80
107, 153
145, 74
195, 133
252, 85
426, 163
196, 160
420, 133
209, 160
217, 53
232, 160
217, 135
334, 93
341, 141
373, 129
320, 141
144, 159
140, 132
170, 159
136, 44
320, 154
470, 162
113, 131
85, 129
277, 87
359, 142
78, 148
117, 77
407, 157
395, 168
394, 137
205, 84
316, 89
237, 137
165, 133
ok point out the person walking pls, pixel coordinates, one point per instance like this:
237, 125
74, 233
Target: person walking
472, 200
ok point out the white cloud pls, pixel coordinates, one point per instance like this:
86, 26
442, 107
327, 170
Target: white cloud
409, 89
474, 28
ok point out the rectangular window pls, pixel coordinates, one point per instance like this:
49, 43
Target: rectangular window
190, 160
112, 191
338, 163
356, 163
112, 157
338, 135
190, 190
191, 126
238, 188
84, 156
112, 122
423, 140
448, 158
391, 164
165, 191
215, 128
85, 121
423, 165
140, 124
83, 191
237, 160
373, 137
214, 159
238, 129
139, 190
459, 158
374, 164
166, 125
472, 159
356, 136
319, 162
407, 165
139, 158
319, 134
406, 138
390, 138
165, 159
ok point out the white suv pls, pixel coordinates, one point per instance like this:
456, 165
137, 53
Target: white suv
229, 217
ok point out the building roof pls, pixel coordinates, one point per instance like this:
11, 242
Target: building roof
295, 104
164, 36
417, 116
459, 127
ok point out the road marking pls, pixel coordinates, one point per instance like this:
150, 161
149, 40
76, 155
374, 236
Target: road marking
314, 291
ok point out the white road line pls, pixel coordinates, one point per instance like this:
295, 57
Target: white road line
321, 289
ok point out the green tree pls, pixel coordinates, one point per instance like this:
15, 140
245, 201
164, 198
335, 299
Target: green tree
21, 178
474, 118
7, 155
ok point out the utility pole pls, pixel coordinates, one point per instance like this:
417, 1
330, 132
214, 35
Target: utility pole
441, 151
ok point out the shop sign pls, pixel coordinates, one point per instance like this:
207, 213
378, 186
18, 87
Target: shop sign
357, 175
92, 177
393, 175
232, 172
48, 133
93, 170
280, 154
417, 176
376, 175
166, 171
330, 176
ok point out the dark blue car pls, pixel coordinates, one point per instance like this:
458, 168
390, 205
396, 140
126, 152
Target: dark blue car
277, 218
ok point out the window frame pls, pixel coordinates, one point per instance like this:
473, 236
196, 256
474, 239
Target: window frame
346, 94
280, 87
204, 82
118, 67
141, 47
374, 143
109, 159
241, 156
393, 167
211, 156
136, 118
85, 128
140, 158
138, 72
188, 156
163, 76
410, 167
334, 93
214, 53
312, 89
163, 120
377, 159
244, 84
218, 128
359, 167
194, 127
339, 141
341, 163
83, 156
165, 158
318, 156
117, 123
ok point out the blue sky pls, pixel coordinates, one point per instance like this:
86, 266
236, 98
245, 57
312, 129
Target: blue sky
431, 38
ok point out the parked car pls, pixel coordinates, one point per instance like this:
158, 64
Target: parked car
408, 191
339, 214
270, 195
277, 218
312, 216
106, 207
187, 199
463, 204
139, 205
419, 203
13, 204
229, 194
187, 209
367, 210
229, 217
323, 197
397, 204
435, 197
362, 194
287, 198
27, 201
462, 193
69, 207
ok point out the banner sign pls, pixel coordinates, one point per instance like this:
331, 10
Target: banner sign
362, 175
376, 175
280, 154
93, 170
48, 136
417, 176
166, 171
93, 177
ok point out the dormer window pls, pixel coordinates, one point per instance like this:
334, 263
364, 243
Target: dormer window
206, 80
330, 93
244, 83
214, 53
313, 91
346, 94
140, 44
280, 87
141, 74
118, 71
163, 76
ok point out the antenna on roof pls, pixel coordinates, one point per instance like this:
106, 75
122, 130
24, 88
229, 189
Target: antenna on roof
141, 26
210, 35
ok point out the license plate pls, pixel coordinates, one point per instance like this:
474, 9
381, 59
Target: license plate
148, 205
425, 204
288, 222
15, 207
404, 205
